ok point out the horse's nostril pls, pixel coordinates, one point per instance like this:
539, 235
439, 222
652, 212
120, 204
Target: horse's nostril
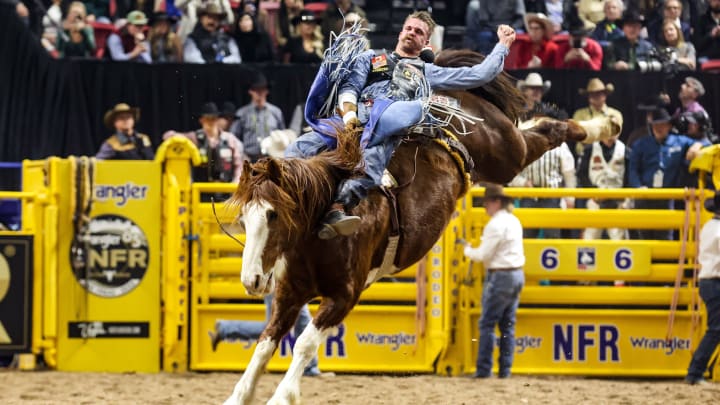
257, 282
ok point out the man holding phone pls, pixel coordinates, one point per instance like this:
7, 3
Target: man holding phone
580, 51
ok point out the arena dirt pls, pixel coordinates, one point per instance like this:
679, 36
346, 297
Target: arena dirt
49, 387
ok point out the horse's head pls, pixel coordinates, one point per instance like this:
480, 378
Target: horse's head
282, 201
268, 210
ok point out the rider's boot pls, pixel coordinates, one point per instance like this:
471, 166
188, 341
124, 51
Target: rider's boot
337, 222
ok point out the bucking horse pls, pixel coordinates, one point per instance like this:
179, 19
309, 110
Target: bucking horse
283, 200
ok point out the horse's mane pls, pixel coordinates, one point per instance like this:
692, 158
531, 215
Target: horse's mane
298, 189
501, 91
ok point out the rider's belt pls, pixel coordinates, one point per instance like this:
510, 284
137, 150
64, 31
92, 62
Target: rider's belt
504, 269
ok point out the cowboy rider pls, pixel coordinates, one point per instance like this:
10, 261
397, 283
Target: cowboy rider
382, 94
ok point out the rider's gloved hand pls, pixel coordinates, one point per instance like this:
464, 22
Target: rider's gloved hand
349, 116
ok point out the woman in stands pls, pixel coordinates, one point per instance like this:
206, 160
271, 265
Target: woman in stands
308, 46
77, 39
165, 45
684, 51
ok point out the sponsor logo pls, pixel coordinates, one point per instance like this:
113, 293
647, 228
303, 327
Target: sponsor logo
586, 258
120, 193
394, 340
115, 257
669, 346
103, 330
523, 343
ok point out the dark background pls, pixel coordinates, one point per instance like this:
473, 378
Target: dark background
54, 107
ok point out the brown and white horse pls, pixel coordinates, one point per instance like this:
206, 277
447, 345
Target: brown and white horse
283, 200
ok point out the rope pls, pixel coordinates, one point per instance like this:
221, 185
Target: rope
681, 263
694, 298
222, 227
420, 302
82, 183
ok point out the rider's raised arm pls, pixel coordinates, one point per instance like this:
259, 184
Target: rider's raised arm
461, 78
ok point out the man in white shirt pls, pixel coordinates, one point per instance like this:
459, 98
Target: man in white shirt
554, 169
501, 252
709, 292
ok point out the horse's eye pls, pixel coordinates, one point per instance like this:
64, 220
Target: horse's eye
271, 216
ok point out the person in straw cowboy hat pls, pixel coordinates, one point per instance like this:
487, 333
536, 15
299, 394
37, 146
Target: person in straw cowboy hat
501, 252
125, 143
597, 92
709, 286
533, 88
540, 51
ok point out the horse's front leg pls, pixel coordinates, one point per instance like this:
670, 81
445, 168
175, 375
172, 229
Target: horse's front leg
282, 319
330, 314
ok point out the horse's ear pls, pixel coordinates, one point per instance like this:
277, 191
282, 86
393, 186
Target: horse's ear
246, 170
274, 171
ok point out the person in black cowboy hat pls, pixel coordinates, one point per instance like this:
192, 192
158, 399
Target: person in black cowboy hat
580, 51
227, 115
125, 143
501, 252
255, 121
308, 37
165, 45
221, 152
657, 160
709, 286
208, 43
629, 52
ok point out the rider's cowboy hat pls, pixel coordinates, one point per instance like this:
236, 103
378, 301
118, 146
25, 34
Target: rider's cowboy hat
110, 115
596, 85
212, 9
495, 191
534, 80
541, 19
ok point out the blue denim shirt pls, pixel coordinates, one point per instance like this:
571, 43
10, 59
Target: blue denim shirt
438, 77
648, 156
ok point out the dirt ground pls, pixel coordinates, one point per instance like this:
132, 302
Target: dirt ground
51, 387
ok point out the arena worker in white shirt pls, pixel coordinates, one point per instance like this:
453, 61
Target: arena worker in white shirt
501, 252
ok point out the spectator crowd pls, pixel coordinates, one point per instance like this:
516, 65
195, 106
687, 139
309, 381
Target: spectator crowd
666, 35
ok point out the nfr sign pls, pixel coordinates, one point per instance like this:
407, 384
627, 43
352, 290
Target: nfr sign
334, 344
572, 342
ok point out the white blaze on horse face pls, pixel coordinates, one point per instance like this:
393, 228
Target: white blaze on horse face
256, 231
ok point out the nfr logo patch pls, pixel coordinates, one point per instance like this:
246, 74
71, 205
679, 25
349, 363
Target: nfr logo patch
586, 258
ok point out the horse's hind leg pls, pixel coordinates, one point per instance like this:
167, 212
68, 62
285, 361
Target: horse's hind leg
282, 319
330, 313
